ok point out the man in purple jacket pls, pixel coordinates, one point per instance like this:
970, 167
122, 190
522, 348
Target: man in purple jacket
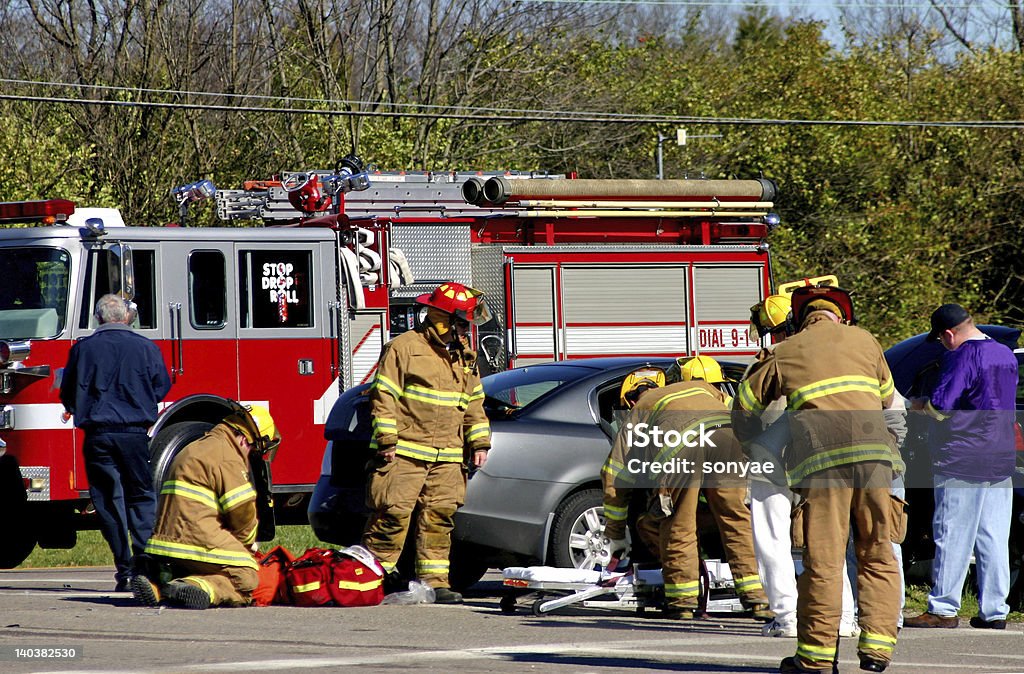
973, 460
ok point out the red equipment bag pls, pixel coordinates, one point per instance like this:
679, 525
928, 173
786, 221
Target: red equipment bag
357, 579
272, 588
309, 577
349, 577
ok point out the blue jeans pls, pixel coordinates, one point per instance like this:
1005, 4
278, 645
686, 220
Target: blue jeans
971, 517
121, 487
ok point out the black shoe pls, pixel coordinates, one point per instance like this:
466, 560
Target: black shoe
187, 595
872, 665
445, 595
123, 585
982, 624
145, 592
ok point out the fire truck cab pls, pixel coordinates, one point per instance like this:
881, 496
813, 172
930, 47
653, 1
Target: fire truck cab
289, 316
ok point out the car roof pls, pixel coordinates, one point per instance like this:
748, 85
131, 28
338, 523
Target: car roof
907, 359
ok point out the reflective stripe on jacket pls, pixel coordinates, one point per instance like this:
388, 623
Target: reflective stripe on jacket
207, 507
699, 403
836, 383
427, 400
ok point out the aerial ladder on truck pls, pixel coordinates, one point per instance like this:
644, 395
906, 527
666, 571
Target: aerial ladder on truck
409, 231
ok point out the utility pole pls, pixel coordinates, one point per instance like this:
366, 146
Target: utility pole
681, 138
661, 165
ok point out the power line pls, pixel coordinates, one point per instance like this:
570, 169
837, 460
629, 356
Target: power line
334, 102
547, 116
870, 4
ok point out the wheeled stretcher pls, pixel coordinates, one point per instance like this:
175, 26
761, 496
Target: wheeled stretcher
637, 589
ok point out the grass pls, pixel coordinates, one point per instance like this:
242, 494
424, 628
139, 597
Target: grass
92, 550
917, 603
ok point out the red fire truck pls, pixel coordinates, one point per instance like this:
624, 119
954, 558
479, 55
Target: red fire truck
290, 313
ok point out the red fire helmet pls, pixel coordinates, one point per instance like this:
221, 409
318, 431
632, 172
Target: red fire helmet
459, 300
809, 298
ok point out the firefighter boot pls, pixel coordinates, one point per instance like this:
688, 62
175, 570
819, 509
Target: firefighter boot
186, 595
144, 591
759, 609
445, 595
676, 613
872, 665
791, 665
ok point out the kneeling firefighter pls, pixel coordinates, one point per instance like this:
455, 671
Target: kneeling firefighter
669, 526
201, 550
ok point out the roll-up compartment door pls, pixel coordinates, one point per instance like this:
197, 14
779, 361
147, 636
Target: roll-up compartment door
533, 317
624, 309
723, 295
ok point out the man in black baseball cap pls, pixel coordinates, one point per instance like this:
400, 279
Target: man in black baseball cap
973, 462
946, 317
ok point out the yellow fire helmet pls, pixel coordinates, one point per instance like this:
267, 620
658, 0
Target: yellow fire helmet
774, 314
258, 426
637, 382
705, 368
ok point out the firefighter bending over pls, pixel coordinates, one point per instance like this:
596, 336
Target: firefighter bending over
201, 551
669, 527
840, 461
427, 405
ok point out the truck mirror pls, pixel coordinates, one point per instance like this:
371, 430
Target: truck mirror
490, 347
122, 272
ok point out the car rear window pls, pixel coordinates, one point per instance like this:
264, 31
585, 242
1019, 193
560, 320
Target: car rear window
523, 386
1020, 380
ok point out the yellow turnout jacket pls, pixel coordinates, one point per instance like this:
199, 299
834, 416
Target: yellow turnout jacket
207, 508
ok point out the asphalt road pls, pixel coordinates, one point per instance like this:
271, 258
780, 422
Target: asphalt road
64, 609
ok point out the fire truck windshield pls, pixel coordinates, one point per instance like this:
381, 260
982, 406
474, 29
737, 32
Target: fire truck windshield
34, 292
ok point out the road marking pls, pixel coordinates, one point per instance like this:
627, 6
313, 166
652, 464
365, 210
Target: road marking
631, 649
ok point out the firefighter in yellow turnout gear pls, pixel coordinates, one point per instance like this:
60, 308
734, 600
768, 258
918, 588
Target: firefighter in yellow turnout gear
201, 550
428, 419
669, 527
840, 461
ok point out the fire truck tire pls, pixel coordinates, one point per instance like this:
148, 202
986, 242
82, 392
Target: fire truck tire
169, 441
16, 543
17, 526
577, 530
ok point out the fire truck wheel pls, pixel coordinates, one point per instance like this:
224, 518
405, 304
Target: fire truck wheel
578, 531
17, 526
169, 441
16, 543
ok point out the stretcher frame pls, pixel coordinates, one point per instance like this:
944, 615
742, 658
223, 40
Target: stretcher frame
632, 591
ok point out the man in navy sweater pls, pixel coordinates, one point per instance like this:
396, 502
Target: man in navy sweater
112, 384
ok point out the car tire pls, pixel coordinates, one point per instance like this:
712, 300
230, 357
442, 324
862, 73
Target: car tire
578, 530
171, 440
467, 566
